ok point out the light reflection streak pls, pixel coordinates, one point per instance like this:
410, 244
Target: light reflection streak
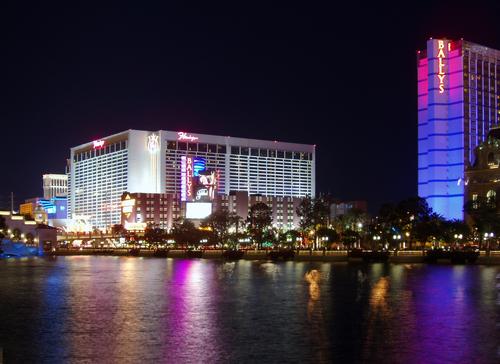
315, 317
192, 313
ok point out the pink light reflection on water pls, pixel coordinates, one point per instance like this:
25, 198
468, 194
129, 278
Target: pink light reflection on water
190, 320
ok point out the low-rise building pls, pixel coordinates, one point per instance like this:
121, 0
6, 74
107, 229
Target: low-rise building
162, 209
41, 234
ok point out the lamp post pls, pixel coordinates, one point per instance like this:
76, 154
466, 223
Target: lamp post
458, 238
360, 229
488, 236
407, 234
376, 239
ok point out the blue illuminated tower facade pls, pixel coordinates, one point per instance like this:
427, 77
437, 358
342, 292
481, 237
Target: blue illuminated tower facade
458, 102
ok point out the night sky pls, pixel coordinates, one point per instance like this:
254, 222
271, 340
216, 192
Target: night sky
342, 77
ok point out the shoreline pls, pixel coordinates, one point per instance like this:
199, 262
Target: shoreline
403, 257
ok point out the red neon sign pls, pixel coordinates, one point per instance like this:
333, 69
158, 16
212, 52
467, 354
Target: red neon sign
98, 143
185, 136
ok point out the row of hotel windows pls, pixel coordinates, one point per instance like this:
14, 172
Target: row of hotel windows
96, 152
55, 182
221, 149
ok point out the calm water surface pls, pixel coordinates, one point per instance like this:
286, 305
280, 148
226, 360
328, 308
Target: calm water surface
129, 310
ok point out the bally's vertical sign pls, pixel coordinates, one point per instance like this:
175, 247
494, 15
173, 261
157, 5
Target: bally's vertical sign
186, 178
441, 56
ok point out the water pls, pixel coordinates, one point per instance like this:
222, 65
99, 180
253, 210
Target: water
129, 310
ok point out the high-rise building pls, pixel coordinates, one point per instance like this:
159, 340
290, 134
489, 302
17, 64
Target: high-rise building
458, 102
55, 185
137, 161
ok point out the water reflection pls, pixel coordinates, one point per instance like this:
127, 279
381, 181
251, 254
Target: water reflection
127, 310
316, 318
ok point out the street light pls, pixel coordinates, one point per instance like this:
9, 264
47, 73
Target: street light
488, 236
407, 234
396, 237
458, 237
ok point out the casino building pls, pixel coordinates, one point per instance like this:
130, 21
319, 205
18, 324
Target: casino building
458, 103
195, 167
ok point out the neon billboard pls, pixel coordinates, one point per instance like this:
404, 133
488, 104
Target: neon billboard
197, 183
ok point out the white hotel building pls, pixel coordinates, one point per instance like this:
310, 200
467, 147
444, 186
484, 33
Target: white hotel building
150, 162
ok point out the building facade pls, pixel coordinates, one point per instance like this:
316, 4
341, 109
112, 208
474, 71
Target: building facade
343, 207
137, 161
482, 179
54, 208
458, 102
162, 209
55, 185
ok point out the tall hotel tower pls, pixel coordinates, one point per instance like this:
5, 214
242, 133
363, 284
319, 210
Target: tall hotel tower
458, 102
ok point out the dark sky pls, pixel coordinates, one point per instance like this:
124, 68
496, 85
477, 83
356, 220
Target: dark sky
342, 77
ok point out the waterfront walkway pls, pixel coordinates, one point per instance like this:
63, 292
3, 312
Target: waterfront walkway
405, 256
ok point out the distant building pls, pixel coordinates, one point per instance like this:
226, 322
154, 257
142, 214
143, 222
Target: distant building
45, 210
343, 207
55, 185
482, 179
27, 209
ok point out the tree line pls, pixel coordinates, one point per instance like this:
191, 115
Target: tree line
410, 223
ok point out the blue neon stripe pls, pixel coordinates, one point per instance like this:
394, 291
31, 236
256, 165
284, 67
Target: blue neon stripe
448, 88
441, 104
445, 196
445, 58
447, 73
446, 103
441, 134
441, 165
445, 119
441, 150
438, 180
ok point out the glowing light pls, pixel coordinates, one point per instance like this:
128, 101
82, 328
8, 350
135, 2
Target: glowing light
98, 143
135, 226
183, 178
189, 177
153, 143
185, 136
127, 205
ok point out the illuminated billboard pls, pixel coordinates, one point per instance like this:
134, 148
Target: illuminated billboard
197, 182
204, 186
198, 210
